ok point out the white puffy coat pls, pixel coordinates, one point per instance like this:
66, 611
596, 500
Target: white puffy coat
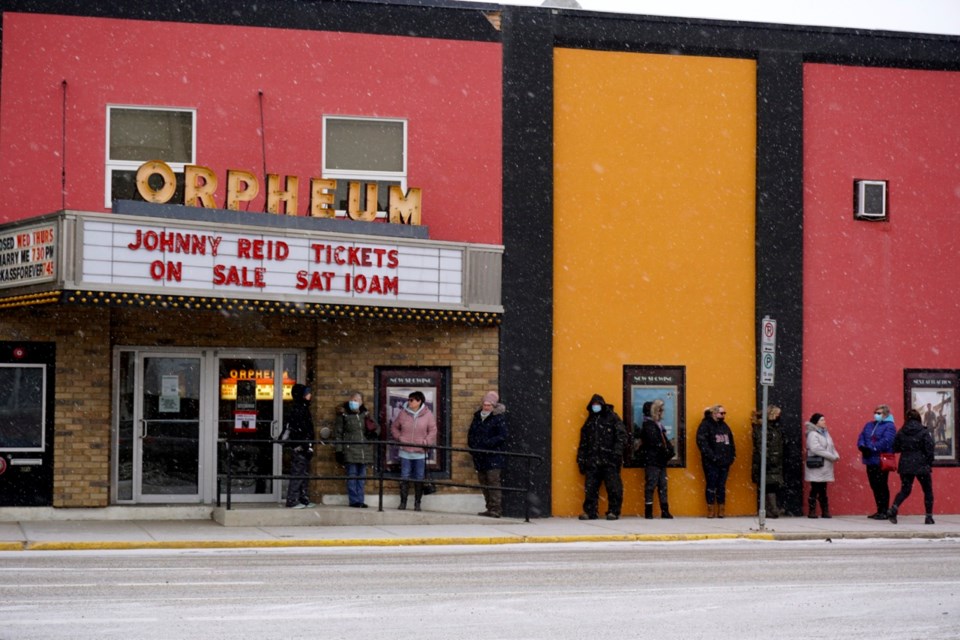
820, 443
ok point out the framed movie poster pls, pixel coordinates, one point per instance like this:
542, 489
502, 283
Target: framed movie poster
393, 388
646, 383
933, 393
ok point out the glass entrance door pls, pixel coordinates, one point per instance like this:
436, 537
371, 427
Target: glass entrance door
251, 392
179, 413
169, 439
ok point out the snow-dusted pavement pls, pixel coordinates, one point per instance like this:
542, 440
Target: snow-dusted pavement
743, 589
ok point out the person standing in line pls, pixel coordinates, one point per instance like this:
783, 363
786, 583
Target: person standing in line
876, 437
414, 425
600, 456
717, 453
298, 429
655, 452
818, 471
488, 431
774, 475
915, 445
353, 426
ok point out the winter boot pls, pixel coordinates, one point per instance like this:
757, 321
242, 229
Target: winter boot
824, 507
648, 511
665, 511
928, 519
403, 496
417, 496
812, 508
892, 514
711, 510
720, 506
771, 506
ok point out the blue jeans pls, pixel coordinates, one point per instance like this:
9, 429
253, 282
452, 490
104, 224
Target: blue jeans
355, 485
412, 469
716, 483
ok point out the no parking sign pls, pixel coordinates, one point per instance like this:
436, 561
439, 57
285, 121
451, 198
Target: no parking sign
768, 348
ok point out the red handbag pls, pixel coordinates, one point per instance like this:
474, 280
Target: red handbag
888, 462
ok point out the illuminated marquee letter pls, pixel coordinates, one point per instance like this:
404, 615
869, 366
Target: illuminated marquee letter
242, 186
201, 183
288, 195
404, 209
158, 168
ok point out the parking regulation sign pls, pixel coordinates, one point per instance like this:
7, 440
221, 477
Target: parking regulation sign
768, 349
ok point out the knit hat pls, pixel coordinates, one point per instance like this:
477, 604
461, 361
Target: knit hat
815, 418
490, 396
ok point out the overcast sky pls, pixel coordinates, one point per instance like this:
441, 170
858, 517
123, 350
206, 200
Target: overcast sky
920, 16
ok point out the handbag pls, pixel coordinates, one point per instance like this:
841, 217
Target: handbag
814, 462
888, 462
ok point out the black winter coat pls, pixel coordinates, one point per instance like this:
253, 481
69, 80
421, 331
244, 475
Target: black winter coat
774, 453
490, 434
653, 447
603, 437
915, 445
297, 421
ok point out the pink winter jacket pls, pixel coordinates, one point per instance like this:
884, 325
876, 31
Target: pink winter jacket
420, 428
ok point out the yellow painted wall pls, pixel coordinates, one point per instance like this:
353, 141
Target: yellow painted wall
654, 251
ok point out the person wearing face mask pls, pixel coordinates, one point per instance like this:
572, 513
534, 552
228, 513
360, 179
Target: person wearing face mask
353, 427
600, 456
656, 451
488, 434
876, 437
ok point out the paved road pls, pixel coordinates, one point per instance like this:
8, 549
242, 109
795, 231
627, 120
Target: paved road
713, 590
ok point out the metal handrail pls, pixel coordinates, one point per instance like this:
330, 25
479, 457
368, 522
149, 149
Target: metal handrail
380, 467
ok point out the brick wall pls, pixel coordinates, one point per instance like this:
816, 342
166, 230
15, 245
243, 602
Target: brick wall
341, 355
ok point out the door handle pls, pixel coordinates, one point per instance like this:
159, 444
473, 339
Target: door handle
143, 428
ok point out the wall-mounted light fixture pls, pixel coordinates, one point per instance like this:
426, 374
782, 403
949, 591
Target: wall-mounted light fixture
870, 200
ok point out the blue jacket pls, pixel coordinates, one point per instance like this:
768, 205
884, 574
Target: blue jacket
876, 438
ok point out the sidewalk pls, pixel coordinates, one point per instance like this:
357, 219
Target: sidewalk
393, 528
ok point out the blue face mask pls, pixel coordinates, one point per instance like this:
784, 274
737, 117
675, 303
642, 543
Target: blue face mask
878, 417
595, 408
354, 405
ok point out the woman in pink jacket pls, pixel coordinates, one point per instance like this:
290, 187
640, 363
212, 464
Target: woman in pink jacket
415, 425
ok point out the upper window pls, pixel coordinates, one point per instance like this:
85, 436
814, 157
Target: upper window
368, 151
138, 134
22, 407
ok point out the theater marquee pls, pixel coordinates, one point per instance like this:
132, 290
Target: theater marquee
181, 257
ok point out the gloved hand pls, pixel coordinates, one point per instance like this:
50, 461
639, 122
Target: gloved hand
339, 457
865, 450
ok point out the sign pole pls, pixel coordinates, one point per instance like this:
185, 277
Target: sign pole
768, 361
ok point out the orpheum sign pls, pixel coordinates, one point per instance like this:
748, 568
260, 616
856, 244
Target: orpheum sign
248, 262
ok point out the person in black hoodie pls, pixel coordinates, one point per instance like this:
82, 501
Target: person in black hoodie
717, 452
600, 456
298, 430
655, 452
914, 443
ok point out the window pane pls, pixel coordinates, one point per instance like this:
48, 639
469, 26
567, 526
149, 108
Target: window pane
150, 134
364, 145
21, 407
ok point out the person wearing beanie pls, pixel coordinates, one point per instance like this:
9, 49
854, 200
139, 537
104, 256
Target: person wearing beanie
298, 430
717, 453
876, 437
818, 471
655, 452
486, 436
914, 443
600, 456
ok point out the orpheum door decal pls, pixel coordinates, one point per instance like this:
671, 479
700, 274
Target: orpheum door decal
214, 261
